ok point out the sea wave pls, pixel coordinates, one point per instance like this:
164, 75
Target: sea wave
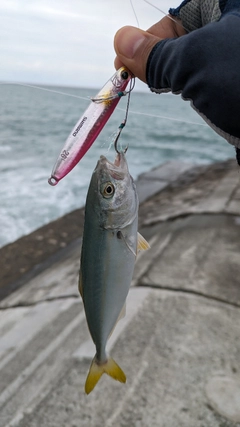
36, 125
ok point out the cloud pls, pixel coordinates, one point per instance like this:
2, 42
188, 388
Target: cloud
68, 43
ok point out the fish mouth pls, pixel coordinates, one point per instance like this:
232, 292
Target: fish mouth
116, 169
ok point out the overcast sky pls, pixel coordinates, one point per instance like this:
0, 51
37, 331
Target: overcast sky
66, 42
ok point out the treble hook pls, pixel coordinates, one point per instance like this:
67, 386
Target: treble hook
122, 125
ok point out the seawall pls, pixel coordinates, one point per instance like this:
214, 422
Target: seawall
31, 254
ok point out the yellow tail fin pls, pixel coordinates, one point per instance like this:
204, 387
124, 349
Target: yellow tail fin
96, 370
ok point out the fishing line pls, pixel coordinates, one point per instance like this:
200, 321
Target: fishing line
47, 90
160, 10
119, 109
164, 117
134, 13
164, 13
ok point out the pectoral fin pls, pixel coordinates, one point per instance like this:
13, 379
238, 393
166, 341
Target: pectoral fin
120, 235
143, 245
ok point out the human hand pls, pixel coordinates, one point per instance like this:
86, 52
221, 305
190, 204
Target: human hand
133, 45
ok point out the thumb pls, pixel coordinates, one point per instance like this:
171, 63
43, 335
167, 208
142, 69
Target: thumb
133, 47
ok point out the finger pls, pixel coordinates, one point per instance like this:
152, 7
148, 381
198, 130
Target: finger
133, 47
167, 28
117, 63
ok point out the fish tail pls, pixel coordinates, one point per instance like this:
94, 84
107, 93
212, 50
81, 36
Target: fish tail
110, 367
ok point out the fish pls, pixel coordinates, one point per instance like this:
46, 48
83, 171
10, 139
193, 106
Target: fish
90, 124
109, 249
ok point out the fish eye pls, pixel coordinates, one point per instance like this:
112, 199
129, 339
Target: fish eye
124, 75
108, 190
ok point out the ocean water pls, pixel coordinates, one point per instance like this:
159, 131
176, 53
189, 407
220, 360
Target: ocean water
34, 125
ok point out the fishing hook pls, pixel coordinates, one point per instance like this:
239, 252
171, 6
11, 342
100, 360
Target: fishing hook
122, 125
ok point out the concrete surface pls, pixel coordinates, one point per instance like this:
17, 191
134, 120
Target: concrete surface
179, 342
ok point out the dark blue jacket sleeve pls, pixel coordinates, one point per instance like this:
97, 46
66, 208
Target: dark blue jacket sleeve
204, 66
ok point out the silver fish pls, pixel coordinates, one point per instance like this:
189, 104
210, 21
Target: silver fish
109, 248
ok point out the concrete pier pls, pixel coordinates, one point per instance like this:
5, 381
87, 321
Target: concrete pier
179, 343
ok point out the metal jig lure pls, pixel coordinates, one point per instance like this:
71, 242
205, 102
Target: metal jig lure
91, 123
